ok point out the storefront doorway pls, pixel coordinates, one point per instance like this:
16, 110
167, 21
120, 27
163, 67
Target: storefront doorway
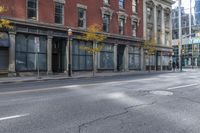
120, 57
3, 59
58, 55
4, 52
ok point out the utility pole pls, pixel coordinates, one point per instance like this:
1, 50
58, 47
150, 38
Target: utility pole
190, 29
180, 37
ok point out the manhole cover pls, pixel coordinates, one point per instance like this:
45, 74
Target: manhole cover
163, 93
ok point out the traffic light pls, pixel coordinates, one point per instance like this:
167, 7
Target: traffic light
183, 51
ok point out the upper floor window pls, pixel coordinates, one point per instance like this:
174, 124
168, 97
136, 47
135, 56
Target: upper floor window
81, 17
121, 26
159, 17
167, 19
134, 5
32, 9
149, 15
106, 2
134, 28
59, 13
122, 4
106, 23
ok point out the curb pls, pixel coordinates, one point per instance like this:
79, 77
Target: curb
86, 77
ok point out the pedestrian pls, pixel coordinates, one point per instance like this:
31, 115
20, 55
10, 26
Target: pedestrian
170, 65
177, 65
174, 65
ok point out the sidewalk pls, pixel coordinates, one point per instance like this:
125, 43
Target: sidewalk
6, 80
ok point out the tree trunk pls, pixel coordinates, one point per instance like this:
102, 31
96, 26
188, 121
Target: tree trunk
94, 62
149, 64
94, 58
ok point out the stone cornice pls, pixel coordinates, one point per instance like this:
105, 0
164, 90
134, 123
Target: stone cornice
106, 10
81, 6
60, 1
64, 29
122, 15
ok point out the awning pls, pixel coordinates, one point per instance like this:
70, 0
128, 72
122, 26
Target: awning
4, 40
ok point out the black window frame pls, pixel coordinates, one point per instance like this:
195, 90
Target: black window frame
106, 2
106, 23
122, 4
122, 27
26, 52
81, 53
32, 9
59, 16
83, 19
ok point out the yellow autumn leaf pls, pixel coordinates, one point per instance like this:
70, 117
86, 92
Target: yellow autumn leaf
2, 9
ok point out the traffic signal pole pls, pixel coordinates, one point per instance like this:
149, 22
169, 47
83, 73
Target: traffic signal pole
180, 37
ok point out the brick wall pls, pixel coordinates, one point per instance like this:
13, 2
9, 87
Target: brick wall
17, 9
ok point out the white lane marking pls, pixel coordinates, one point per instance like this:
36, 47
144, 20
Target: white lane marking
76, 86
13, 117
182, 86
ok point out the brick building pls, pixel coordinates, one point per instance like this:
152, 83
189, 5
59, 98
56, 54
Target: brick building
48, 21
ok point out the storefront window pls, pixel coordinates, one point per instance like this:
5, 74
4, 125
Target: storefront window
26, 54
134, 58
81, 59
106, 57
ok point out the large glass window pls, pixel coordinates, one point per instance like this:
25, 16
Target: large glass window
122, 4
134, 28
106, 23
81, 59
134, 6
81, 18
26, 54
134, 58
106, 57
149, 15
106, 1
121, 26
32, 9
59, 13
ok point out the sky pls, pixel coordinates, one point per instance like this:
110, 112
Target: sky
186, 4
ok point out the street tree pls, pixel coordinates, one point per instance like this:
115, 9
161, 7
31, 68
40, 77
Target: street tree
93, 34
4, 23
150, 48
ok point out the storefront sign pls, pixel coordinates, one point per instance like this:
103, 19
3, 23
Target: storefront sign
4, 40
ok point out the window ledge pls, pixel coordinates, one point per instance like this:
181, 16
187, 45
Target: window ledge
122, 9
106, 4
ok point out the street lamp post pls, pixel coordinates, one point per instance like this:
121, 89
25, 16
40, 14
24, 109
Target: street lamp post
180, 37
70, 56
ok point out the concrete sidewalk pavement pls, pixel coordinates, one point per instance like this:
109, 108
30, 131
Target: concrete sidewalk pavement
5, 80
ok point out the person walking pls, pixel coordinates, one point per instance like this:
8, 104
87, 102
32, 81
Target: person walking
177, 65
174, 65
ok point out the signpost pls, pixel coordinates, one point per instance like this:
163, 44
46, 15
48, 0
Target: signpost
37, 49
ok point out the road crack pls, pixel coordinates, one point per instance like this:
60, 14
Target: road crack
101, 118
188, 99
135, 106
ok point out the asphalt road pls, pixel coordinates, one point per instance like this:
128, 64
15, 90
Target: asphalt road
155, 103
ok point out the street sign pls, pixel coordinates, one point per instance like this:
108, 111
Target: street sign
37, 44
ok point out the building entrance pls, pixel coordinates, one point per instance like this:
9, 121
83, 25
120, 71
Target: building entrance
3, 59
120, 57
58, 55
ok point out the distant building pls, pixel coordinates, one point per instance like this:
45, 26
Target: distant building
197, 11
157, 24
190, 47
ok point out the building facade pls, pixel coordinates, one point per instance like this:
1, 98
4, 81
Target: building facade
197, 11
40, 38
157, 25
190, 42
